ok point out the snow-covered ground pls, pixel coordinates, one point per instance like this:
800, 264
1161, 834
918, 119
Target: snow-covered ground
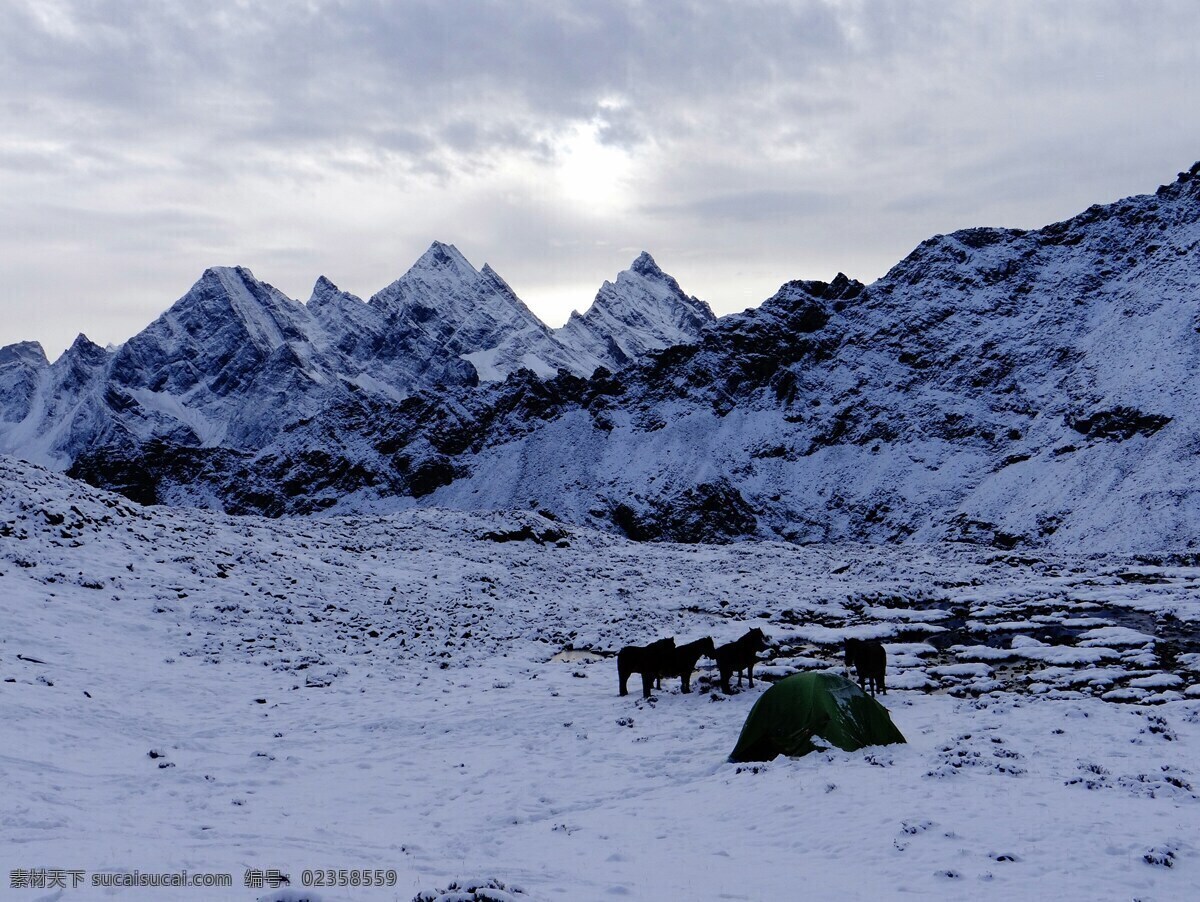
187, 690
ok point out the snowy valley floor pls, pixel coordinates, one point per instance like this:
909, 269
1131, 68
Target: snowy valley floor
391, 693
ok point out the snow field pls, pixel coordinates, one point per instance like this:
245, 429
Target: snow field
286, 736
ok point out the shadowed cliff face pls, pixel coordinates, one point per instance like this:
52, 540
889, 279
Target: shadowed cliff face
1016, 388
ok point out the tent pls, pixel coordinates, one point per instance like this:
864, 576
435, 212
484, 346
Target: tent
797, 708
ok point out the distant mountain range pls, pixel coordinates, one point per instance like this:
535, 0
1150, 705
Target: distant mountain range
234, 361
1016, 388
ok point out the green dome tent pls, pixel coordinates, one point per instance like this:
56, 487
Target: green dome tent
787, 716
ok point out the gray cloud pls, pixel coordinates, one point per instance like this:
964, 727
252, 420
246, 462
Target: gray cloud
753, 142
750, 206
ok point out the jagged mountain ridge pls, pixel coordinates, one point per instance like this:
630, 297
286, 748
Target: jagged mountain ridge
1019, 388
1005, 386
234, 361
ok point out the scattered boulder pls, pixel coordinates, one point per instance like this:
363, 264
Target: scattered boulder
708, 512
1118, 423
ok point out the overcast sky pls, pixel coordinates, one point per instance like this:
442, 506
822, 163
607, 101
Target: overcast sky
743, 144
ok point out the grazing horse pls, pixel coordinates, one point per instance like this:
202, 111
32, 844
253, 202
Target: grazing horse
739, 655
686, 657
869, 660
653, 661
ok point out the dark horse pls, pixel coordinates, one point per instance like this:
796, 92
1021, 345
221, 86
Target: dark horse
739, 655
869, 660
653, 662
686, 657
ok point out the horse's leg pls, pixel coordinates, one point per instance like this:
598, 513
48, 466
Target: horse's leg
647, 684
750, 674
725, 677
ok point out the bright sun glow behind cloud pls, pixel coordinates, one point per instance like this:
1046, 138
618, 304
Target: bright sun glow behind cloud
592, 173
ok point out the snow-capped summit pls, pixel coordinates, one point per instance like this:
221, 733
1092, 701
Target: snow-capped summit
357, 333
49, 412
443, 305
29, 352
446, 292
324, 291
189, 346
645, 309
21, 366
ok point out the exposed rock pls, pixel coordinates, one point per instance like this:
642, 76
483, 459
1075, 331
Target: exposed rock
1120, 423
708, 512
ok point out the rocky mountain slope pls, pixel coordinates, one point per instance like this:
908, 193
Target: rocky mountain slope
1015, 388
1010, 387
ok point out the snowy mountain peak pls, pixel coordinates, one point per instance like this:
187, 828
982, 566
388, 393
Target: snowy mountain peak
85, 350
491, 275
645, 309
455, 321
492, 279
646, 287
240, 273
230, 296
491, 282
324, 286
325, 293
644, 265
229, 280
444, 258
440, 279
22, 367
23, 352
